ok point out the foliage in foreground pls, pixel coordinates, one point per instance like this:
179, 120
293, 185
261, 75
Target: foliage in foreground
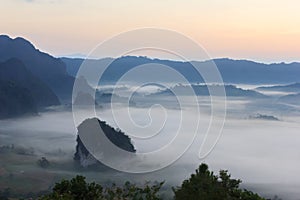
207, 186
203, 185
79, 189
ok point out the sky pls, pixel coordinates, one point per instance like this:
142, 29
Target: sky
260, 30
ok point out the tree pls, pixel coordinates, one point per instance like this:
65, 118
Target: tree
79, 189
43, 162
204, 185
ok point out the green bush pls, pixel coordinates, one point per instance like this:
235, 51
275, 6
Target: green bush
204, 185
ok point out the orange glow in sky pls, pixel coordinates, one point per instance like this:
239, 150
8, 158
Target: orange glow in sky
261, 30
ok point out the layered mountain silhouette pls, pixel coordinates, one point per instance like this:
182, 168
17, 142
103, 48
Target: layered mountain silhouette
15, 100
22, 92
232, 71
50, 70
13, 70
203, 90
290, 99
47, 80
295, 87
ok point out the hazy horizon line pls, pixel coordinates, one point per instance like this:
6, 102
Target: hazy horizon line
83, 56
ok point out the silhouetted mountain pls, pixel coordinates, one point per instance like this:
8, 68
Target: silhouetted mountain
295, 87
15, 100
84, 99
91, 66
291, 99
232, 71
249, 72
47, 68
117, 137
118, 67
202, 90
72, 65
14, 70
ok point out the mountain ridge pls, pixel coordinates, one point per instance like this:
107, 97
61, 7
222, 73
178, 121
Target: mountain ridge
47, 68
232, 71
14, 70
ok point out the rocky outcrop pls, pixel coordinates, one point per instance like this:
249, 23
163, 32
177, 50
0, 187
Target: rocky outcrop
117, 137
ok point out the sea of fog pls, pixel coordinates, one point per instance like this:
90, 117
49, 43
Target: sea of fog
264, 154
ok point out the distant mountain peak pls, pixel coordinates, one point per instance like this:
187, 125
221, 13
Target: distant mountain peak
47, 68
3, 37
24, 41
19, 40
